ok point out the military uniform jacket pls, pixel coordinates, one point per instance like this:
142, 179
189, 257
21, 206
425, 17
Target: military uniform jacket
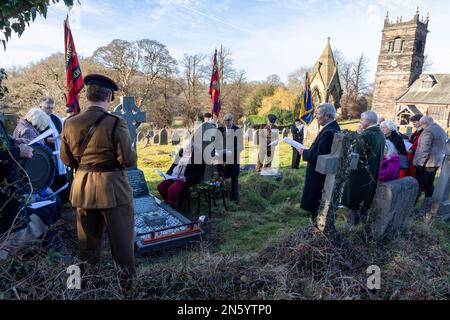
110, 145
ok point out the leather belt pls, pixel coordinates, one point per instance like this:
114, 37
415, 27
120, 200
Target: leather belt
100, 168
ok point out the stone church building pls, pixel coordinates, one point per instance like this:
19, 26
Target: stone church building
401, 89
325, 84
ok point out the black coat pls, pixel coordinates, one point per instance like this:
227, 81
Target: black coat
314, 181
232, 162
296, 134
397, 141
194, 172
58, 124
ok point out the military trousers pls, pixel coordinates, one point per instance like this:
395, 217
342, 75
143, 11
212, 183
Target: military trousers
119, 224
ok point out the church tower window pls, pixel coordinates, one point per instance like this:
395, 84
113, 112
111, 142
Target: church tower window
398, 45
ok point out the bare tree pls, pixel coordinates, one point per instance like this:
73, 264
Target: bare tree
123, 57
193, 84
274, 80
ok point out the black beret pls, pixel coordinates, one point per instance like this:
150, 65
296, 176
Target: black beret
101, 81
207, 115
298, 120
416, 118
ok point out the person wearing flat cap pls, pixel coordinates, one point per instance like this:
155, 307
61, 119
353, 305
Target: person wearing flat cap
268, 134
97, 145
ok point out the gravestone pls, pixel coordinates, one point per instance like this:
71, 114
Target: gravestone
156, 139
335, 166
163, 137
256, 137
140, 136
128, 110
175, 138
440, 201
156, 225
393, 204
10, 121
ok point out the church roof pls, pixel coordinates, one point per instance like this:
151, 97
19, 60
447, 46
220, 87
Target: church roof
326, 65
428, 89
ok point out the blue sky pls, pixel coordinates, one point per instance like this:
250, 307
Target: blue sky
265, 36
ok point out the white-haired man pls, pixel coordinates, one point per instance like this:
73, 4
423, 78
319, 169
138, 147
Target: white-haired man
314, 181
47, 104
361, 184
429, 154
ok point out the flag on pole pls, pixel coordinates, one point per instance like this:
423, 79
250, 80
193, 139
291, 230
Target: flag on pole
214, 88
74, 78
306, 106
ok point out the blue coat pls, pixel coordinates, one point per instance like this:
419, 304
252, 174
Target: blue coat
314, 181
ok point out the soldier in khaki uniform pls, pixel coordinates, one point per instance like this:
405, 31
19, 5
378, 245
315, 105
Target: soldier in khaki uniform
100, 190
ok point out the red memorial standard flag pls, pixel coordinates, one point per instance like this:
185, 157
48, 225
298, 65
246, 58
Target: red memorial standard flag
214, 88
74, 78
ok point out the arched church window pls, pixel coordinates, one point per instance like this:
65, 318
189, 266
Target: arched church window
398, 45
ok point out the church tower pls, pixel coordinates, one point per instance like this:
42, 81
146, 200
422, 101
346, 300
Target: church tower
400, 61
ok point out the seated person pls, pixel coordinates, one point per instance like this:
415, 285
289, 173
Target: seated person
30, 126
186, 173
390, 165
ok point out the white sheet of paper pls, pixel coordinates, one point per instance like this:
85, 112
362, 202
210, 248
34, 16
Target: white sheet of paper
295, 144
166, 176
44, 135
274, 143
41, 204
408, 145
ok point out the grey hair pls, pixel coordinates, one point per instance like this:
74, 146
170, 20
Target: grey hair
229, 116
427, 120
328, 110
371, 116
389, 124
47, 100
389, 149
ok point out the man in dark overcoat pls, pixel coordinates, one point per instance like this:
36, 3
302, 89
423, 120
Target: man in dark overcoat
314, 181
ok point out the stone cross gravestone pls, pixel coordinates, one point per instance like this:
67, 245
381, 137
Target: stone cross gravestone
163, 137
441, 202
128, 110
334, 167
175, 138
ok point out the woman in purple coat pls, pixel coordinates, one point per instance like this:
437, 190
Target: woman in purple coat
390, 165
